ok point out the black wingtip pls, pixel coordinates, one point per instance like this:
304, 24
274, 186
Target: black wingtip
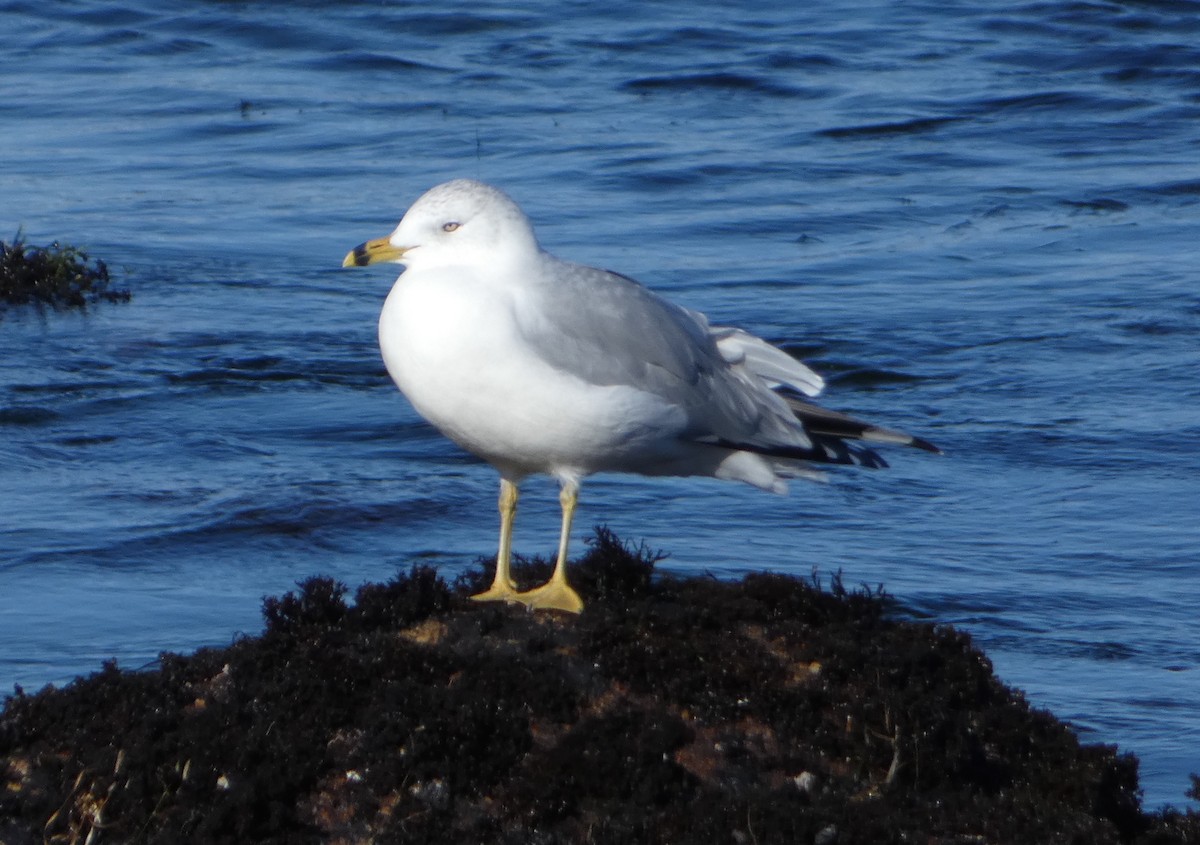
926, 445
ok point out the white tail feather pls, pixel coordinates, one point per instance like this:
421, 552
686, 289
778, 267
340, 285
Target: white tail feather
768, 362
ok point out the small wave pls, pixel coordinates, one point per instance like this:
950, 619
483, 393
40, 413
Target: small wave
872, 377
1036, 101
731, 82
875, 130
1156, 328
87, 440
1175, 189
169, 47
1100, 205
361, 61
218, 377
457, 23
27, 415
259, 370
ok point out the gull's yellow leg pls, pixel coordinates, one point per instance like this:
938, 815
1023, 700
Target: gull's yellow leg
556, 594
503, 588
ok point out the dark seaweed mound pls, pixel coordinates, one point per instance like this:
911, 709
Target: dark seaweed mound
58, 276
671, 711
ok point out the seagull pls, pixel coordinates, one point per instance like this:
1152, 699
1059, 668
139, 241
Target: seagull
542, 366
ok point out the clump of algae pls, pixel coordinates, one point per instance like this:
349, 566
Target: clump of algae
61, 276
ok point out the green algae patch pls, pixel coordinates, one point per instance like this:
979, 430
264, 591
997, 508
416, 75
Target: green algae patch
59, 276
672, 710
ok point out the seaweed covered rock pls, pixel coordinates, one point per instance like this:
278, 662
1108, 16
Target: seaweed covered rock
671, 711
56, 275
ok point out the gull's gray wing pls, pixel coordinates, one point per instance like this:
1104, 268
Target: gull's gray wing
610, 330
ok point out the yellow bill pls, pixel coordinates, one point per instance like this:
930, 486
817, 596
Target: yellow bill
373, 252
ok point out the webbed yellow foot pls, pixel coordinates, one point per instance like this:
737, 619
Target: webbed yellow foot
555, 594
500, 592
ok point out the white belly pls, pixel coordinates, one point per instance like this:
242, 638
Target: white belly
453, 347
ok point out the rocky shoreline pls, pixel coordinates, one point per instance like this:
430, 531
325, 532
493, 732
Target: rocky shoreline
771, 709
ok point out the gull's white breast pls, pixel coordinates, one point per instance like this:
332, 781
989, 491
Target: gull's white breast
452, 343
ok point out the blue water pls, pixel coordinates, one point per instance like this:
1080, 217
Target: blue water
981, 224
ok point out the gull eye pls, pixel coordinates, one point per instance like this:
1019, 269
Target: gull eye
450, 227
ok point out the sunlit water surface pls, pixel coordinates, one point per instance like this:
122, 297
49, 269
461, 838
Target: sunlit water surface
980, 224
